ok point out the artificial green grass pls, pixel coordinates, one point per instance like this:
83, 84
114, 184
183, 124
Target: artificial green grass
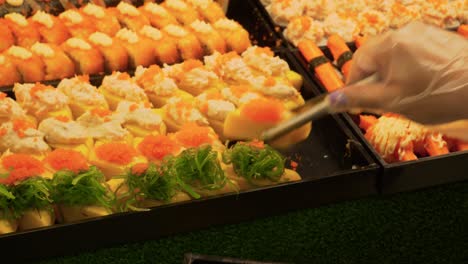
429, 226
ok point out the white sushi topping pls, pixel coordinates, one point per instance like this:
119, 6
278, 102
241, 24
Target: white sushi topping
160, 84
138, 113
102, 127
60, 132
72, 16
184, 112
176, 31
177, 5
219, 109
226, 24
373, 22
239, 99
201, 4
43, 18
99, 38
125, 88
263, 62
344, 27
15, 2
127, 35
199, 77
282, 11
43, 50
201, 27
19, 52
237, 70
9, 109
17, 18
156, 9
41, 100
274, 88
304, 27
151, 32
94, 10
82, 92
32, 141
78, 43
127, 9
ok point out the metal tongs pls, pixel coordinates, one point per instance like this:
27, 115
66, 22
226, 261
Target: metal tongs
313, 109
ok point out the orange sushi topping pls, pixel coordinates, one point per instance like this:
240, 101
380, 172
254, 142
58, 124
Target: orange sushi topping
21, 125
62, 118
305, 22
83, 78
269, 82
157, 147
115, 152
39, 87
263, 110
193, 135
133, 107
3, 132
139, 168
257, 144
191, 64
122, 75
2, 95
148, 76
20, 167
67, 159
101, 112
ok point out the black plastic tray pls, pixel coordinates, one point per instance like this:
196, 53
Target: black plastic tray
191, 258
334, 166
404, 176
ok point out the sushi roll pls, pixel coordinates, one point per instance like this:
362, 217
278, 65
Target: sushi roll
78, 189
82, 95
215, 107
42, 101
165, 48
115, 55
102, 18
77, 24
235, 36
129, 16
158, 16
180, 111
31, 191
210, 10
63, 133
51, 28
9, 74
140, 50
182, 11
6, 36
210, 39
250, 120
158, 87
30, 66
21, 136
57, 64
187, 43
121, 87
139, 119
25, 33
86, 59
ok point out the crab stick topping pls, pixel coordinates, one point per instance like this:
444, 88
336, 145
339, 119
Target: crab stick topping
67, 159
263, 110
21, 167
159, 146
116, 152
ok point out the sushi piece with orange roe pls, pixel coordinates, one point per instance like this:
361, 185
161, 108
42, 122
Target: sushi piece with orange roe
57, 64
26, 176
257, 116
30, 67
114, 158
51, 28
192, 135
88, 60
156, 147
102, 18
180, 111
6, 36
24, 32
21, 136
140, 119
78, 188
77, 24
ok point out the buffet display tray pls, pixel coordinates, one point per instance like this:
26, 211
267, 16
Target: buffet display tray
332, 162
402, 176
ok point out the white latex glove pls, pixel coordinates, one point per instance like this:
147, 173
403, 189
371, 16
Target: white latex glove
423, 74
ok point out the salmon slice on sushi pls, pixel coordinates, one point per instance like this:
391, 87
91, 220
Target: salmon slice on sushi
57, 64
86, 59
187, 43
158, 16
182, 11
102, 18
77, 24
140, 50
129, 16
9, 74
6, 36
30, 66
236, 37
210, 10
115, 55
210, 39
24, 32
51, 28
165, 48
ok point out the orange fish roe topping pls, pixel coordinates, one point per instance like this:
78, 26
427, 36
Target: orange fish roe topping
227, 57
3, 131
20, 167
263, 110
193, 135
159, 146
239, 90
62, 118
21, 125
116, 152
204, 108
305, 22
122, 75
67, 159
214, 95
270, 81
139, 168
148, 75
101, 112
133, 107
294, 165
257, 144
39, 87
2, 95
83, 78
267, 50
191, 64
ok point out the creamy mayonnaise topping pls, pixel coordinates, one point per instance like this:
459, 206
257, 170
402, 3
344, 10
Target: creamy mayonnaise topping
139, 114
176, 31
265, 63
127, 9
43, 50
99, 38
125, 88
10, 109
43, 18
102, 128
304, 28
29, 141
151, 32
60, 132
226, 24
19, 52
183, 111
78, 43
178, 5
39, 100
72, 16
199, 77
17, 18
94, 10
201, 27
127, 35
82, 92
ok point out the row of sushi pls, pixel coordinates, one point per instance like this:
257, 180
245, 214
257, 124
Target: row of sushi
316, 20
91, 40
393, 136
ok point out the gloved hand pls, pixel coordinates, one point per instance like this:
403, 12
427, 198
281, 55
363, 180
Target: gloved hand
423, 75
